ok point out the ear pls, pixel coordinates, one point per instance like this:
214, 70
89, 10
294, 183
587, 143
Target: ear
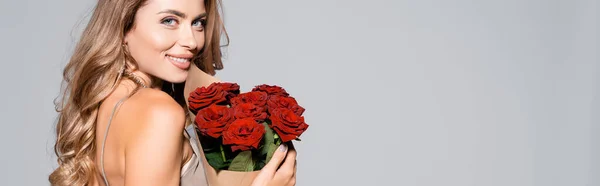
126, 38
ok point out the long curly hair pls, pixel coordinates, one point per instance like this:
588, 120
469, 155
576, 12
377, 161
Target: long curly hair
94, 71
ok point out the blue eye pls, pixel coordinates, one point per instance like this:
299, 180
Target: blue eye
168, 21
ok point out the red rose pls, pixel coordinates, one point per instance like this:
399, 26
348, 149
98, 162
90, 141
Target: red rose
229, 87
243, 134
257, 98
289, 102
287, 124
232, 89
212, 120
270, 90
202, 97
249, 110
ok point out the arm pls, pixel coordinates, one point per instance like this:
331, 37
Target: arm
153, 154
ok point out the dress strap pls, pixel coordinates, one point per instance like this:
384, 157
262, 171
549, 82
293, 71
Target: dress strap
191, 132
197, 148
106, 135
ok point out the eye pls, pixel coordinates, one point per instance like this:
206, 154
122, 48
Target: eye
168, 21
199, 23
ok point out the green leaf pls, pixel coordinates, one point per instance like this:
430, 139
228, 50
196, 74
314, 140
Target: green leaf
272, 147
268, 139
260, 164
215, 160
242, 162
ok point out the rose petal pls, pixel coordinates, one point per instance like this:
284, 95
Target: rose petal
243, 134
287, 124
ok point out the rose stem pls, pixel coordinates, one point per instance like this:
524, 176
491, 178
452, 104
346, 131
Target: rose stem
222, 153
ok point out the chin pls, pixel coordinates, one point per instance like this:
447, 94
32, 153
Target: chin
176, 78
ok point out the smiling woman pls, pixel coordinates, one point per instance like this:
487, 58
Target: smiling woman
122, 119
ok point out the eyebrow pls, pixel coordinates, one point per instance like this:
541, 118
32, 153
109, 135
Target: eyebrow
181, 14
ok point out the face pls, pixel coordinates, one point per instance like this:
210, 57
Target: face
166, 35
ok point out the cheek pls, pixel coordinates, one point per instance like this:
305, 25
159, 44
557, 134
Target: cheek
150, 44
160, 41
199, 39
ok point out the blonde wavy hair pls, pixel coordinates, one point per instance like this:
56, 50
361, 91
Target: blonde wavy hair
94, 71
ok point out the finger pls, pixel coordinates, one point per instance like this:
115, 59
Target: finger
276, 159
293, 179
295, 159
286, 171
290, 159
294, 172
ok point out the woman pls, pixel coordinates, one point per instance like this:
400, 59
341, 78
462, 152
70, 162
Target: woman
122, 119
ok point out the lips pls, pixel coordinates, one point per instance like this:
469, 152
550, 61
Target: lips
182, 62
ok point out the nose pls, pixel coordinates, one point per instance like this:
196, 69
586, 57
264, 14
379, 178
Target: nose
187, 39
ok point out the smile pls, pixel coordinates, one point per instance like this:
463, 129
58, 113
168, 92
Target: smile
180, 60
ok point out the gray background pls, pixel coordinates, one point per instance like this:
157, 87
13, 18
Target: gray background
424, 93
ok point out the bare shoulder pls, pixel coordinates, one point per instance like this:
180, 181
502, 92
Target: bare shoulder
153, 150
154, 112
155, 107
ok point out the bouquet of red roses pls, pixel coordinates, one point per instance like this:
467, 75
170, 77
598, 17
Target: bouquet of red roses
241, 131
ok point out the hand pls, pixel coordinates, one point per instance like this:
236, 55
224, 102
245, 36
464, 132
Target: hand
270, 175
